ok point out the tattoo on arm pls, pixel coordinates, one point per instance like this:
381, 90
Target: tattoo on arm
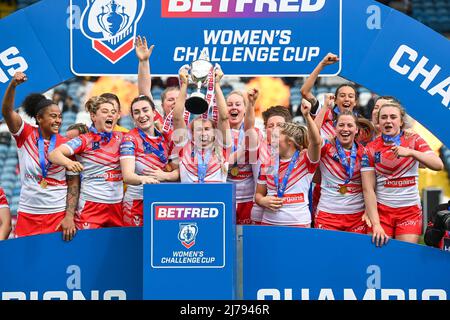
73, 193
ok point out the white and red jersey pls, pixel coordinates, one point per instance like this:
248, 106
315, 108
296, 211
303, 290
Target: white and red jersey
397, 178
327, 130
3, 200
33, 198
101, 179
334, 175
295, 208
245, 180
217, 165
132, 147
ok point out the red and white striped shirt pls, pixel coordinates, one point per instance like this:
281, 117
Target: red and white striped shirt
217, 169
33, 198
397, 178
132, 147
295, 208
333, 176
101, 179
245, 179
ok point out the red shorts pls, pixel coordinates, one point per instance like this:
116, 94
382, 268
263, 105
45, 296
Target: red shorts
308, 225
340, 222
403, 220
32, 224
133, 213
94, 215
244, 212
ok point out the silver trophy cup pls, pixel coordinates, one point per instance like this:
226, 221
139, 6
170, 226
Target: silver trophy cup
199, 71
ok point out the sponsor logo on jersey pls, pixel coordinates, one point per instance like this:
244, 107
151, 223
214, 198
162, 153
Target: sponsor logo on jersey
293, 198
400, 182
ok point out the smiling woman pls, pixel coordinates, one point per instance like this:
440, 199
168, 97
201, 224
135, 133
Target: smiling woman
44, 188
144, 159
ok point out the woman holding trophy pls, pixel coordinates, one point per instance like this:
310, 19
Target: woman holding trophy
203, 149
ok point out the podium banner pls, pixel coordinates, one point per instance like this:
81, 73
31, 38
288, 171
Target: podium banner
331, 265
96, 265
189, 249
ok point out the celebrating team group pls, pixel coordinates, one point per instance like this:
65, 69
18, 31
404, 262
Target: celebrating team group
364, 174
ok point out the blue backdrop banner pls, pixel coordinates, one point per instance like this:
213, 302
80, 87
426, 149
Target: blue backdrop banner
96, 265
236, 34
283, 263
380, 48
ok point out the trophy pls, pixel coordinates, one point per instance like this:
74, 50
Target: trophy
199, 71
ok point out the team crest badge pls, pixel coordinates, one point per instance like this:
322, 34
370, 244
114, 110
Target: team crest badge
111, 26
336, 157
377, 157
187, 234
137, 220
95, 145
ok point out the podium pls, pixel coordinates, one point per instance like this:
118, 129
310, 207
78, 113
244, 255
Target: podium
189, 242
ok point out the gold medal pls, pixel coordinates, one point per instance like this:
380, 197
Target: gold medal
343, 189
43, 183
234, 171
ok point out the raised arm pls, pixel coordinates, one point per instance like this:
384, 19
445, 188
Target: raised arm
305, 90
315, 140
328, 105
12, 118
223, 124
379, 237
178, 110
143, 52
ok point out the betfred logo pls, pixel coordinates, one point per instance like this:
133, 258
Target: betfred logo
111, 25
237, 8
185, 212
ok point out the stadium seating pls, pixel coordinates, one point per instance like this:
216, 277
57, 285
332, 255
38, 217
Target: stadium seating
127, 122
434, 13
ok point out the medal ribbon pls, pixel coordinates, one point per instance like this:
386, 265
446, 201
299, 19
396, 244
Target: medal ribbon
395, 140
105, 136
281, 188
202, 165
349, 167
41, 148
148, 148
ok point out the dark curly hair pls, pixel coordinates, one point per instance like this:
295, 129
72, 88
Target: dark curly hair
35, 103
